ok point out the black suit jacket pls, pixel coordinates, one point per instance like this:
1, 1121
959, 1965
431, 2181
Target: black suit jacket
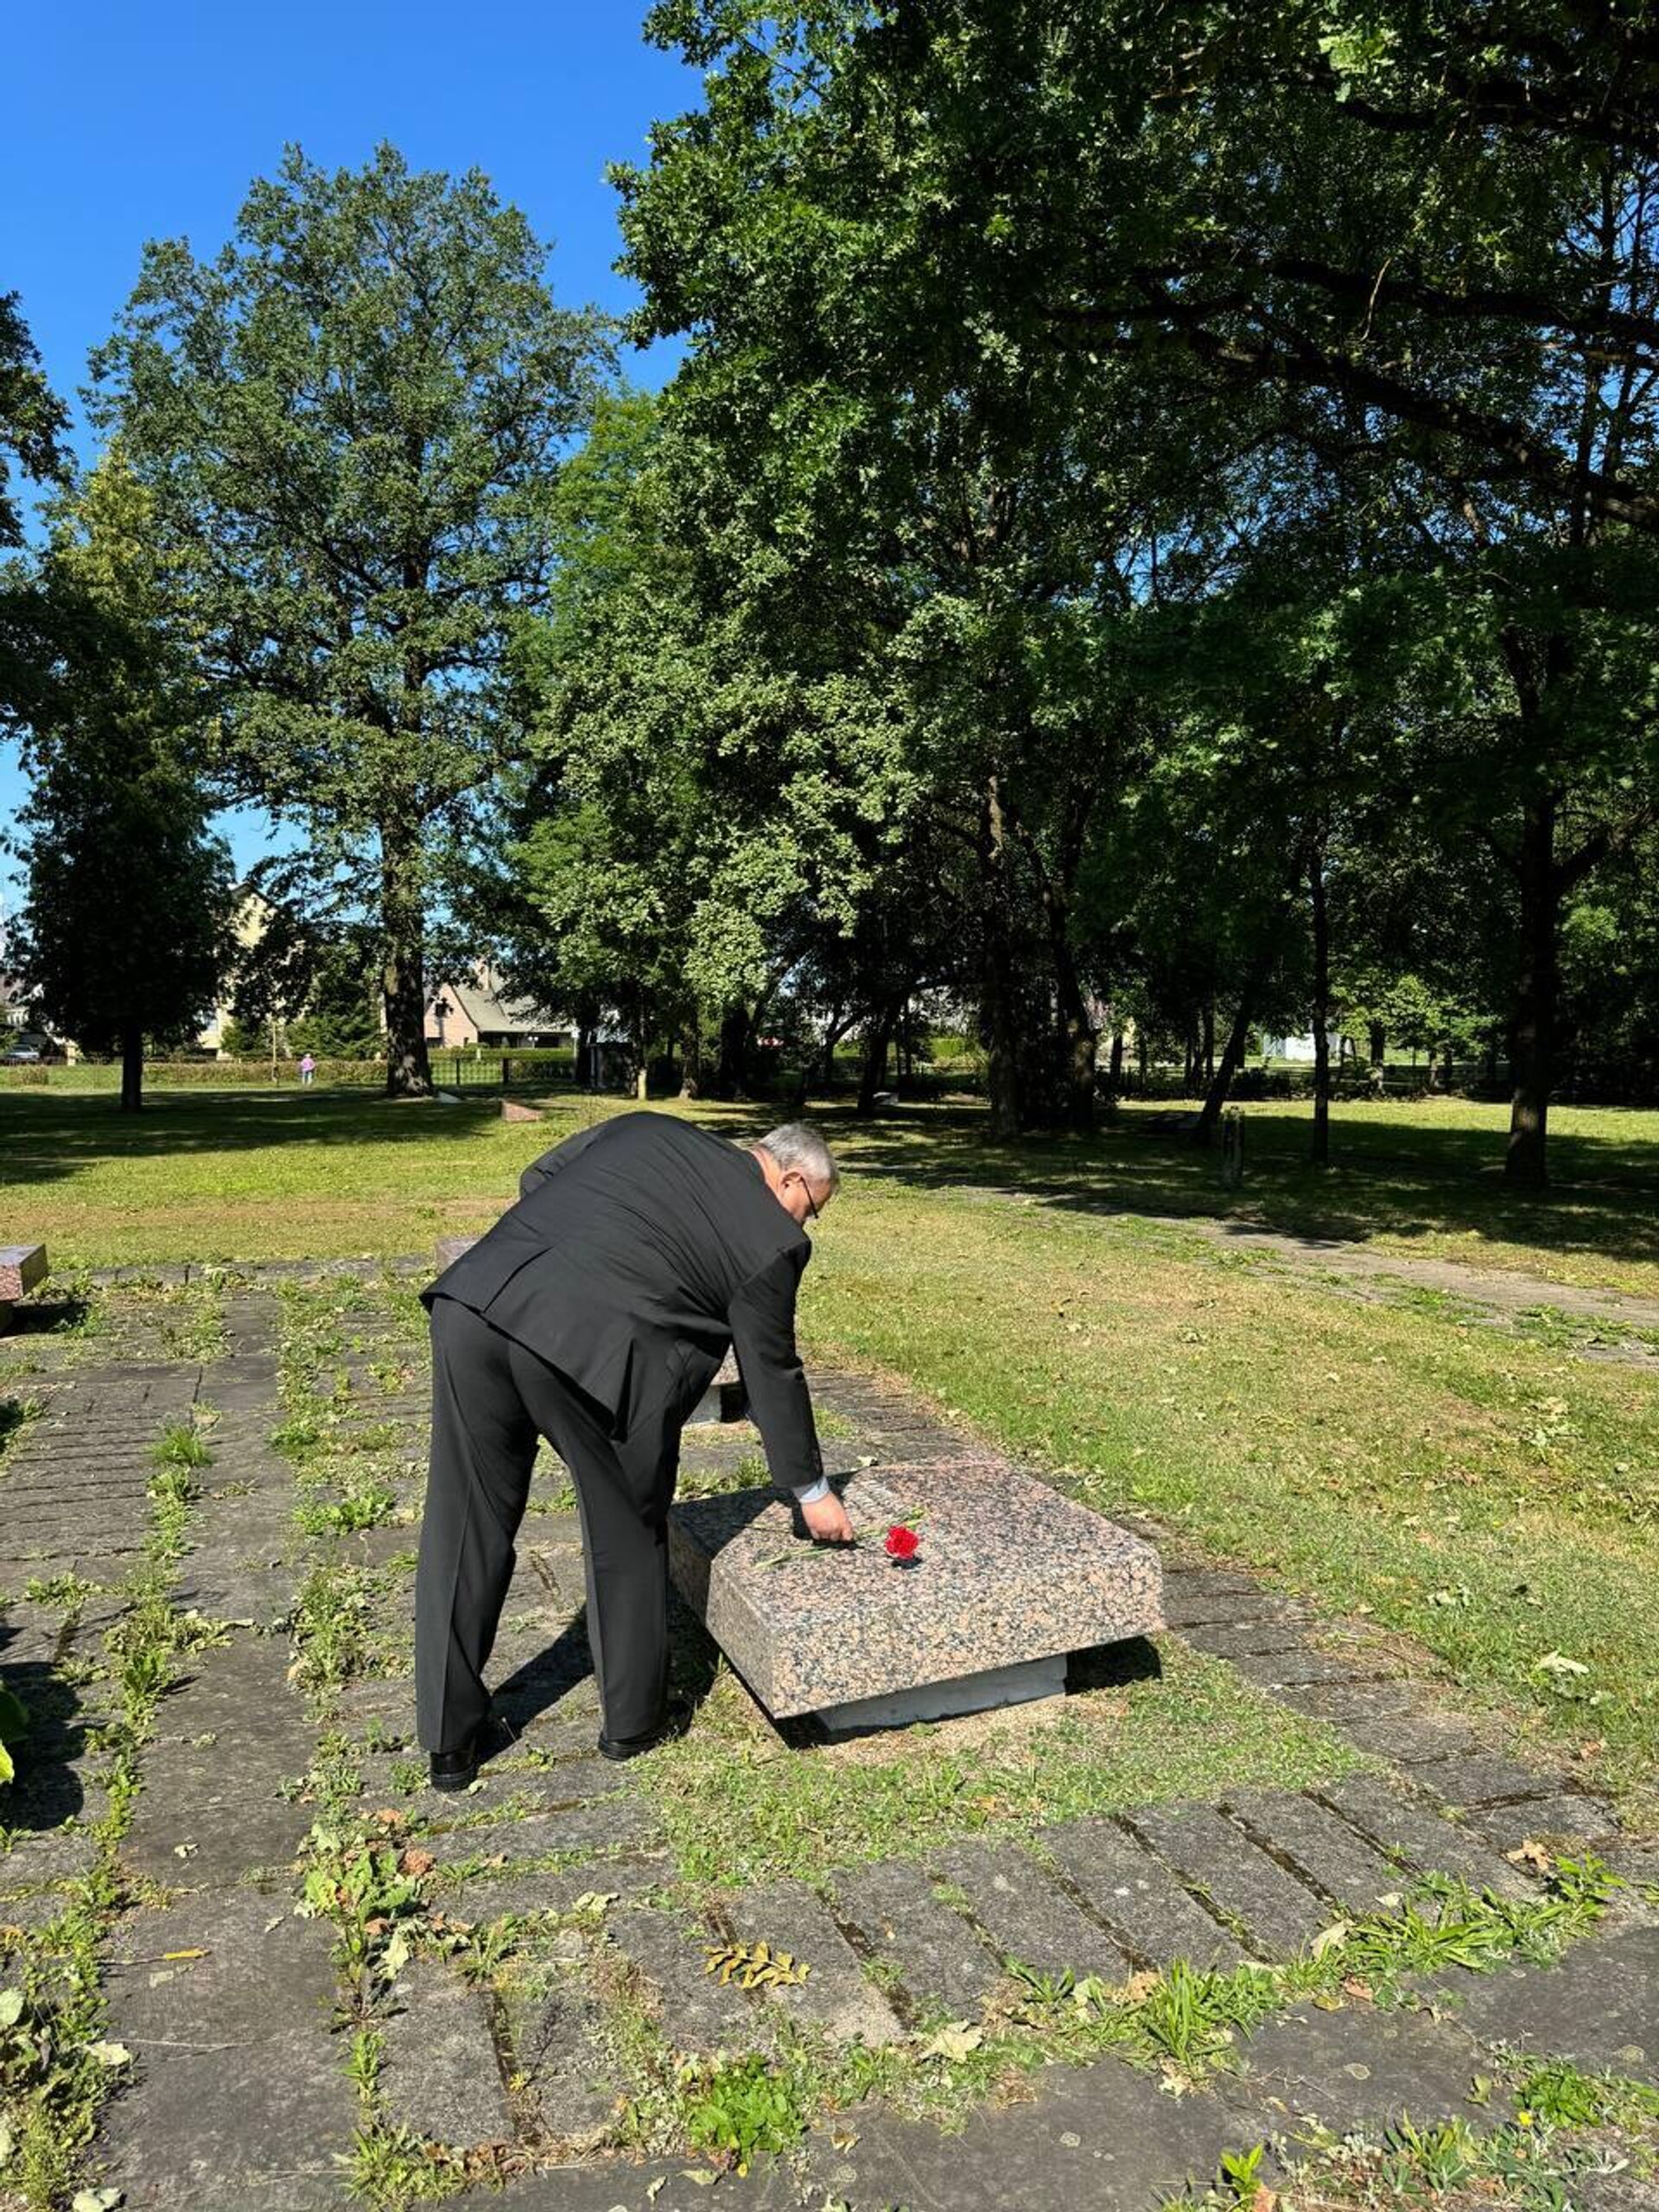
639, 1252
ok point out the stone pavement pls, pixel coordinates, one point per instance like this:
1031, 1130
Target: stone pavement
555, 1987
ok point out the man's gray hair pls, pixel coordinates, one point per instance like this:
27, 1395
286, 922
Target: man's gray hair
799, 1147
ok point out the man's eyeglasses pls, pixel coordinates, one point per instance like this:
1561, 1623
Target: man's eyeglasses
812, 1206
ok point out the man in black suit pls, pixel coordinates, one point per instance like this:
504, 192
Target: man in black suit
595, 1314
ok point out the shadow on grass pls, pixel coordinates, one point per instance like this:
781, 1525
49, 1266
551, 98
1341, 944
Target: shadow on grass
46, 1140
46, 1317
1389, 1177
1114, 1666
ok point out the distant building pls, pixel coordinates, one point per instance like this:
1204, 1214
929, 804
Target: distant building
476, 1012
249, 923
1298, 1051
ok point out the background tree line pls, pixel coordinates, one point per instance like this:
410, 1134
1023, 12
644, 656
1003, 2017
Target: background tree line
1153, 535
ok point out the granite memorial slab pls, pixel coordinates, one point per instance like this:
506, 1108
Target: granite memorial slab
21, 1266
725, 1400
1009, 1578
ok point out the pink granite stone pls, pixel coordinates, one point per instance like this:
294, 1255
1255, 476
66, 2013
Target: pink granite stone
21, 1269
512, 1110
1007, 1571
22, 1266
450, 1250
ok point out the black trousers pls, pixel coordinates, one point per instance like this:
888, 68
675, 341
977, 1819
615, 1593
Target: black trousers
490, 1399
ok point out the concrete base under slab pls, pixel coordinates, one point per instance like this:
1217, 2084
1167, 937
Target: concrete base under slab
991, 1687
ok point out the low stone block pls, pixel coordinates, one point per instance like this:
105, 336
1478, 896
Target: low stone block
449, 1249
1275, 1911
907, 1928
1323, 1848
696, 2010
991, 1688
441, 2077
725, 1400
1138, 1895
1009, 1571
1356, 2072
1594, 2007
21, 1266
1025, 1916
513, 1110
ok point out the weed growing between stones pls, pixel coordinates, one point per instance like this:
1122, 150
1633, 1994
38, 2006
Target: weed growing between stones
1187, 2025
1566, 2128
56, 2065
737, 2106
348, 1468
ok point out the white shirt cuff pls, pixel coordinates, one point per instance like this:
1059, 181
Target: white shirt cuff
813, 1491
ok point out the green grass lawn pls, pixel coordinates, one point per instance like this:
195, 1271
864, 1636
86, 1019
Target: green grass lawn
1492, 1498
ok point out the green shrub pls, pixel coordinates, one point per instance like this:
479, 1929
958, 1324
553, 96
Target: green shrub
14, 1727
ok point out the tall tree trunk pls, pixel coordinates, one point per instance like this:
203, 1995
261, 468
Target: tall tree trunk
1321, 1148
1533, 1047
1114, 1064
996, 986
1143, 1053
1379, 1039
1209, 1041
872, 1068
409, 1071
732, 1066
1232, 1054
1079, 1039
132, 1068
691, 1065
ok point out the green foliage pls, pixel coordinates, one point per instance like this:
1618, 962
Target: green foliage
364, 395
34, 424
14, 1727
734, 2109
125, 922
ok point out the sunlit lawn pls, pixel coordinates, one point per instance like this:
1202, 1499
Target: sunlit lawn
1496, 1499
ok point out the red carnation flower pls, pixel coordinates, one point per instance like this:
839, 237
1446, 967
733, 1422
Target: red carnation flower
902, 1542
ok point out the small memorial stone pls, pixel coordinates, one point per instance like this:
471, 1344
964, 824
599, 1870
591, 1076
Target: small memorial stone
1007, 1573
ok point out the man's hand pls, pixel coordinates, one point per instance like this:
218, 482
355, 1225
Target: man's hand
826, 1520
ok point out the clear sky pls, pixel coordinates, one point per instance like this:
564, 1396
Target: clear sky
125, 122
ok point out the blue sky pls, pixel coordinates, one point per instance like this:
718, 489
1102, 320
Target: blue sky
124, 124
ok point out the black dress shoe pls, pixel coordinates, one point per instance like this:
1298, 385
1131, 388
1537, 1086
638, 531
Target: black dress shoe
459, 1770
674, 1723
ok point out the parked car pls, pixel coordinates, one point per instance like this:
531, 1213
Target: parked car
21, 1055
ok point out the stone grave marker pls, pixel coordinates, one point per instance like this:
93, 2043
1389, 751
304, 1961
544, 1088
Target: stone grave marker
21, 1266
1009, 1578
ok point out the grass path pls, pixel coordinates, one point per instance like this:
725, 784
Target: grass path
1491, 1496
